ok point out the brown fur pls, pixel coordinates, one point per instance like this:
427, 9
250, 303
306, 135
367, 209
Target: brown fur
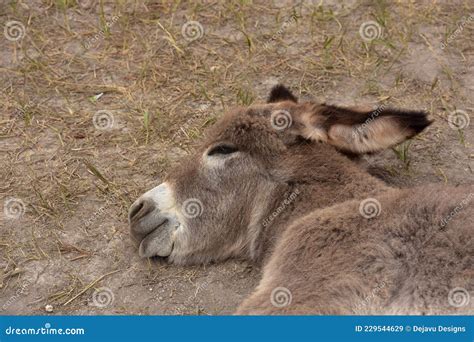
289, 199
345, 257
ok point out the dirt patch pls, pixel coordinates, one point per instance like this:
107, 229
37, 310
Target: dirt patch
99, 99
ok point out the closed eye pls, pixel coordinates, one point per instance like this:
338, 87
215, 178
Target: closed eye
222, 149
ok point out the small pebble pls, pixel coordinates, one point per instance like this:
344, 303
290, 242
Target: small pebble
150, 289
160, 298
48, 308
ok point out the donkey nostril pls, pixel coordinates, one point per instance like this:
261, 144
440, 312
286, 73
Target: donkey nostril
135, 209
141, 209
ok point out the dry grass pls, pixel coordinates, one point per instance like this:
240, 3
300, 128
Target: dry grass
77, 181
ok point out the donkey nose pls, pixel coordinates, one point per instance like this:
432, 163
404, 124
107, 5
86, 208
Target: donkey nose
140, 209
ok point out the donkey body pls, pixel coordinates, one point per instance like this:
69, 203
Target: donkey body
270, 184
334, 261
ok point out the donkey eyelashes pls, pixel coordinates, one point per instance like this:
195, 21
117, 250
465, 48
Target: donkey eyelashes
222, 149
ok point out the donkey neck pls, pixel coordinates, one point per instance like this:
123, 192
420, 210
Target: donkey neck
316, 181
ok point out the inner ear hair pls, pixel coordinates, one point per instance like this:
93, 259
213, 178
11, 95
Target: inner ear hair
281, 93
365, 131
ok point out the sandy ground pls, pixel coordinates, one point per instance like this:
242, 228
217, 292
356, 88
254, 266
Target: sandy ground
67, 180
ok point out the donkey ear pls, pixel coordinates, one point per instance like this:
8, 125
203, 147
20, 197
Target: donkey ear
362, 131
280, 93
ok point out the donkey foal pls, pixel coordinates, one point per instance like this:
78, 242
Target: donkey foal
272, 183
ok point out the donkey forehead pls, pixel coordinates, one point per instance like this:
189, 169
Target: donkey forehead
246, 134
255, 122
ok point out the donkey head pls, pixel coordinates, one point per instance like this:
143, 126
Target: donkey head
212, 205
